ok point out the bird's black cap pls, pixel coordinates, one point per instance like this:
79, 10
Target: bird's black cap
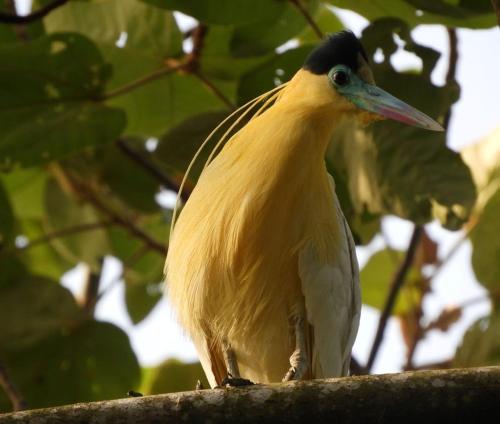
340, 48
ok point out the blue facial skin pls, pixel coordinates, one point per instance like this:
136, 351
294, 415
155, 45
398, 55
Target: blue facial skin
373, 99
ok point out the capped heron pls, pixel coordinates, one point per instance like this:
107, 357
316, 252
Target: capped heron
261, 268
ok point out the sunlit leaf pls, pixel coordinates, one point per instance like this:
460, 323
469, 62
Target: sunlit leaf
485, 246
376, 277
64, 212
173, 376
481, 344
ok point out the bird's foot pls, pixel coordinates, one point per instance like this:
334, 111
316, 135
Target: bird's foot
231, 381
290, 374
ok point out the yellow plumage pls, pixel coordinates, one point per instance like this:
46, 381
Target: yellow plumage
233, 265
261, 267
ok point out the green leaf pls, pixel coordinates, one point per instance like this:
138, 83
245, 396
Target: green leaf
376, 277
467, 14
64, 212
173, 376
136, 187
26, 188
149, 29
481, 344
225, 12
485, 246
34, 308
6, 216
276, 70
161, 103
41, 259
176, 149
326, 20
91, 362
272, 32
143, 269
483, 159
51, 111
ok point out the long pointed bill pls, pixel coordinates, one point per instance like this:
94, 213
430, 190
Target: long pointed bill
374, 99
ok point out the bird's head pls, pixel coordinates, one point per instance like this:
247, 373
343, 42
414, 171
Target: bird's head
339, 70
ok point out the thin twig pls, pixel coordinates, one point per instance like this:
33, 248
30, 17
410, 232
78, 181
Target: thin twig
65, 232
452, 66
214, 89
10, 389
139, 82
496, 7
150, 167
10, 18
314, 26
88, 194
396, 285
450, 79
91, 290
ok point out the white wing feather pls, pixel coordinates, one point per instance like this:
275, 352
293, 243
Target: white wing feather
333, 302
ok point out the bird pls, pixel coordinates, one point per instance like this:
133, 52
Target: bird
261, 268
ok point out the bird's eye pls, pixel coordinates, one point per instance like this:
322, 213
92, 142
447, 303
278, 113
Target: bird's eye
340, 78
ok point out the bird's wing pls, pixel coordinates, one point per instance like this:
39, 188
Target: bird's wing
333, 303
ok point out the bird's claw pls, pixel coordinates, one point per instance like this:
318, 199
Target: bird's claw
231, 381
290, 374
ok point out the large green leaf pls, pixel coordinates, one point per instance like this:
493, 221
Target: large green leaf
177, 148
326, 20
483, 159
173, 376
462, 13
226, 12
64, 212
481, 344
158, 105
376, 277
276, 70
34, 308
6, 216
264, 37
40, 258
138, 25
50, 110
26, 188
92, 361
486, 246
127, 180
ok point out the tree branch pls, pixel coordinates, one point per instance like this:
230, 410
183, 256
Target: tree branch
496, 7
308, 18
65, 232
464, 395
150, 167
9, 18
452, 66
16, 398
88, 194
396, 285
139, 82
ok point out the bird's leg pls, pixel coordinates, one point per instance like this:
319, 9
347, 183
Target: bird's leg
298, 360
230, 361
233, 378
